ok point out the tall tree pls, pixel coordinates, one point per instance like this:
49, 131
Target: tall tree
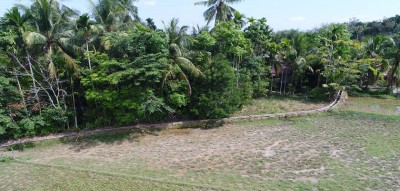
17, 23
114, 13
179, 64
218, 10
52, 22
88, 31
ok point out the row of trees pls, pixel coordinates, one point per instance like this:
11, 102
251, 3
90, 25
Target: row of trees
61, 70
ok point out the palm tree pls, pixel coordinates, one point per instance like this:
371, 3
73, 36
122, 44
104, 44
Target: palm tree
197, 30
88, 31
179, 64
150, 23
218, 10
17, 22
52, 22
239, 19
392, 55
114, 13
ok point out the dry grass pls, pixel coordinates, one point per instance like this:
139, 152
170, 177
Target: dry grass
277, 104
335, 151
374, 105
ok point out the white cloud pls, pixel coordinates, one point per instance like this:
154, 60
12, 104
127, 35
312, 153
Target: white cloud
297, 19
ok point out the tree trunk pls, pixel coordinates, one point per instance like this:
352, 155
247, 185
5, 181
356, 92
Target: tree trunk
65, 107
319, 80
87, 50
32, 75
272, 83
280, 88
35, 89
20, 92
73, 102
284, 87
301, 82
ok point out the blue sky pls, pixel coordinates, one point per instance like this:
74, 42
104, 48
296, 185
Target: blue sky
282, 14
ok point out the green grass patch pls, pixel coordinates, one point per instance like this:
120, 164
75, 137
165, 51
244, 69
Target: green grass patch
368, 116
279, 104
382, 145
258, 123
345, 149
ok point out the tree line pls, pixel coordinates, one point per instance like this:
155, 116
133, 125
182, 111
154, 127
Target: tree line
63, 70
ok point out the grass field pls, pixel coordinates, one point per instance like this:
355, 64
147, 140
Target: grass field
355, 147
279, 104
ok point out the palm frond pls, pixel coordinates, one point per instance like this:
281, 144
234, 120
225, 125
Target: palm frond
168, 75
69, 62
33, 38
210, 15
203, 3
188, 66
183, 76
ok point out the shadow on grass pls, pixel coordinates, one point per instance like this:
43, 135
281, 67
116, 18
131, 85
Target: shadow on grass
204, 125
132, 135
21, 147
117, 137
113, 136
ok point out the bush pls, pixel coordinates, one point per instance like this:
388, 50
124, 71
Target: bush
319, 93
217, 94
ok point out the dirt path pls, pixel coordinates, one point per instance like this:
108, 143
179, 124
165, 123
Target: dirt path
340, 98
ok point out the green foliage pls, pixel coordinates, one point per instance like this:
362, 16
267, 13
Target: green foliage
218, 10
319, 93
231, 42
261, 36
154, 109
128, 89
217, 95
134, 43
138, 73
256, 70
118, 96
51, 120
5, 158
178, 100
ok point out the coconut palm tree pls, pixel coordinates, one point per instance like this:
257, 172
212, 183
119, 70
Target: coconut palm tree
88, 31
239, 19
197, 30
16, 22
392, 57
114, 13
52, 23
179, 65
218, 10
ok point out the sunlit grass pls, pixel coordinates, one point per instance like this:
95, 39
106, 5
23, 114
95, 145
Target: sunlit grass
346, 149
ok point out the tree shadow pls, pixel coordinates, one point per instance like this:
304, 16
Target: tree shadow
110, 137
21, 147
204, 124
87, 140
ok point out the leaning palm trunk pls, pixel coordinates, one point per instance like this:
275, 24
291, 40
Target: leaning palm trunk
32, 75
20, 92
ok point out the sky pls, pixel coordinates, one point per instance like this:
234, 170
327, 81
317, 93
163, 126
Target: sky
281, 15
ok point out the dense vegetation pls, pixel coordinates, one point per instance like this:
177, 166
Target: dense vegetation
61, 70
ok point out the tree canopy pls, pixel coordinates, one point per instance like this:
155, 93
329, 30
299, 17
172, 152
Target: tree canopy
61, 70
